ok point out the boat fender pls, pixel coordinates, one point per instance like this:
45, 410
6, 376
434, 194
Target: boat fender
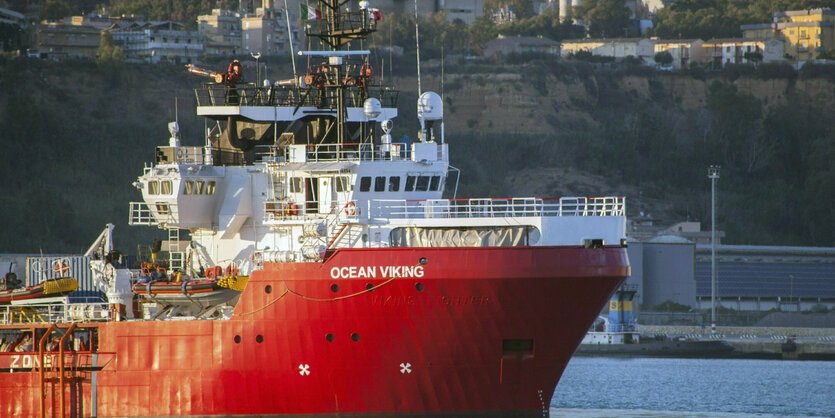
185, 284
148, 288
210, 273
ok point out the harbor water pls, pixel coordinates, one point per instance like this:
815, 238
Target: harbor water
652, 387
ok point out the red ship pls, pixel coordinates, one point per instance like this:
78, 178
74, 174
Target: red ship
351, 287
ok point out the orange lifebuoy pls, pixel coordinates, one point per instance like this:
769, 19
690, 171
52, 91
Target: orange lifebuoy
231, 270
61, 268
210, 273
351, 209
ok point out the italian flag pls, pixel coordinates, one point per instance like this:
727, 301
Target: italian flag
309, 13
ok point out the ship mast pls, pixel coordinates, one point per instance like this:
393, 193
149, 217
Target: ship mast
339, 29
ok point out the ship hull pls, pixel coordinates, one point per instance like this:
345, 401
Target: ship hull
367, 332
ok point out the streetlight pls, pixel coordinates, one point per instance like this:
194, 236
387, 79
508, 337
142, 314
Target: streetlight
713, 175
257, 55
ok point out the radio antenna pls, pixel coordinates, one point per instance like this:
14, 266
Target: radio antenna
417, 43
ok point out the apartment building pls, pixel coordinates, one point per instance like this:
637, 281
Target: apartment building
807, 33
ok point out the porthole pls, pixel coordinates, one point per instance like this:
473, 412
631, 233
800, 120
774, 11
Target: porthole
259, 338
355, 337
423, 261
237, 339
419, 287
329, 337
369, 286
334, 288
268, 288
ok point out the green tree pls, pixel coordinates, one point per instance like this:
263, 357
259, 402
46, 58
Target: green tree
606, 18
109, 53
754, 57
55, 10
664, 58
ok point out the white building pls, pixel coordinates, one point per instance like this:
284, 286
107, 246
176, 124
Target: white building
159, 41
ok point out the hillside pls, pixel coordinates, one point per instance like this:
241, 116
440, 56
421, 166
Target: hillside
75, 137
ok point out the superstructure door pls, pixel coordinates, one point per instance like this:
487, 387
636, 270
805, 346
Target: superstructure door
325, 194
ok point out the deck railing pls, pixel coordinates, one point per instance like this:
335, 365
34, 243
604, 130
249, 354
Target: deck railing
497, 208
51, 313
142, 213
325, 97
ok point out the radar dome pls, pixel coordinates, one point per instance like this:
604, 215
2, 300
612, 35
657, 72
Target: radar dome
372, 108
430, 106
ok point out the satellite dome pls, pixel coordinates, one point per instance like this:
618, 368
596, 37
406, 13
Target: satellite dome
430, 106
372, 108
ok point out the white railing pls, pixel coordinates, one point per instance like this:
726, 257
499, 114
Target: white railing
140, 214
143, 213
346, 152
192, 155
54, 313
497, 208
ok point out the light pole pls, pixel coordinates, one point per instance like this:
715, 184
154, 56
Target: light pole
713, 175
257, 55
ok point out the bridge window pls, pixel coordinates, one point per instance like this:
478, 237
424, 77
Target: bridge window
380, 184
341, 184
435, 184
365, 184
162, 208
188, 188
200, 187
210, 187
166, 187
153, 187
295, 185
410, 183
394, 183
422, 184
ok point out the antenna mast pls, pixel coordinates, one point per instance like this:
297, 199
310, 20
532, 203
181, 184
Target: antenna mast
417, 42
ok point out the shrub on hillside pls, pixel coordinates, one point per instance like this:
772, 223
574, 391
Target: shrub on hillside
776, 70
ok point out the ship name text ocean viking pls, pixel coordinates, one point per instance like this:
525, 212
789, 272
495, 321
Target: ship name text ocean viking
372, 272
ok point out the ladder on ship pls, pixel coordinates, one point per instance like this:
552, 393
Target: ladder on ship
65, 376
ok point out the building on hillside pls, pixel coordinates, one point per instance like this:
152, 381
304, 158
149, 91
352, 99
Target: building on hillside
259, 26
807, 33
720, 52
66, 41
222, 30
617, 48
159, 41
266, 32
520, 44
683, 51
465, 10
566, 9
503, 14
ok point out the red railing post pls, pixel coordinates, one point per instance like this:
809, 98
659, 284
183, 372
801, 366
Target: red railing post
41, 366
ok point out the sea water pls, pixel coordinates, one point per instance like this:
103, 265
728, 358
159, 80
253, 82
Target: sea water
652, 387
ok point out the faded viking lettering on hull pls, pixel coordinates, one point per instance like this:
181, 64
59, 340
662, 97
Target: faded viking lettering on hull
440, 300
371, 272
